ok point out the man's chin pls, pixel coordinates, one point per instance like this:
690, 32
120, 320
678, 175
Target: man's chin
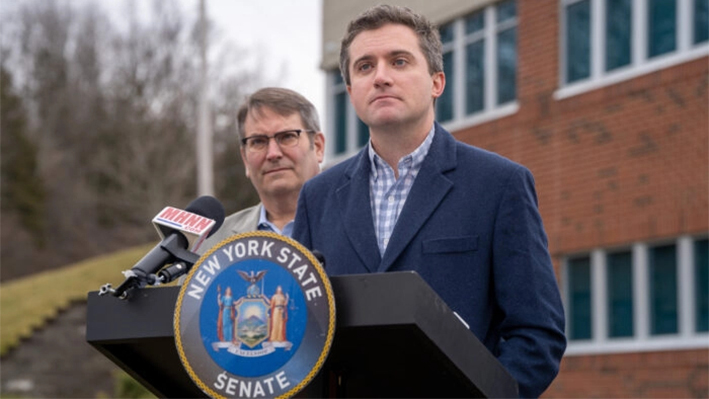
281, 188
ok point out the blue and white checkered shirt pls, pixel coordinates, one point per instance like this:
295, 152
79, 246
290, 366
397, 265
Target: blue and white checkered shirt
265, 225
388, 194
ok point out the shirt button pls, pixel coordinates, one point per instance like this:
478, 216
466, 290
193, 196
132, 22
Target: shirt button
391, 199
386, 242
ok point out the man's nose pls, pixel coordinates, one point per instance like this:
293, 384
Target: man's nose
382, 76
274, 150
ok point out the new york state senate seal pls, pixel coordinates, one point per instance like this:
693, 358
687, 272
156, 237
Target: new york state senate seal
255, 317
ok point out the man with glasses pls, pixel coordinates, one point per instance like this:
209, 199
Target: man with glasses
281, 147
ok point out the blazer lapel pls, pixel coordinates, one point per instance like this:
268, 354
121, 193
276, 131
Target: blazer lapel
429, 189
354, 203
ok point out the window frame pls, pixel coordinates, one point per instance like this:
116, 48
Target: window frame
687, 337
640, 63
488, 35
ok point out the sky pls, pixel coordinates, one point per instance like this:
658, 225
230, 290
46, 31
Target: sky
284, 32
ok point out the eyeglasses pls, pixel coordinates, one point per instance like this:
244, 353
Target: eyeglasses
286, 138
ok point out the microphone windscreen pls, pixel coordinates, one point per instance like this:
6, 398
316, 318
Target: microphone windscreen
210, 208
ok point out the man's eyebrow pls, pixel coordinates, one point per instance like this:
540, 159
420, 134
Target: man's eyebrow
365, 57
391, 54
396, 53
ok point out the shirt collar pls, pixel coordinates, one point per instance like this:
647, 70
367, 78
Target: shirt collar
265, 224
417, 156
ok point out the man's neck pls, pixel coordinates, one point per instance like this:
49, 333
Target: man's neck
392, 144
280, 211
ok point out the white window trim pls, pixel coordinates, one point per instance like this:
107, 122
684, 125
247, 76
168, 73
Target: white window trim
641, 341
491, 111
639, 65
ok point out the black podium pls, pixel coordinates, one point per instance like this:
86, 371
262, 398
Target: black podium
395, 337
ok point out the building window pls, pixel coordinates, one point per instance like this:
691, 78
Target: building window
619, 25
578, 41
348, 131
662, 27
480, 63
604, 42
362, 133
663, 289
444, 103
646, 298
506, 13
701, 21
475, 63
579, 299
701, 287
620, 294
341, 123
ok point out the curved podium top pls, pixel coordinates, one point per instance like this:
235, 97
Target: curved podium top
395, 337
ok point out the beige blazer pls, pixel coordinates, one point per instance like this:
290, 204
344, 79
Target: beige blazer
240, 222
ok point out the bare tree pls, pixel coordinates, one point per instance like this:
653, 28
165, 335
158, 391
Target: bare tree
112, 115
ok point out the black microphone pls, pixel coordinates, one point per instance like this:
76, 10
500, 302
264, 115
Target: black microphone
182, 232
319, 256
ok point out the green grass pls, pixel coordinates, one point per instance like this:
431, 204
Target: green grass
26, 304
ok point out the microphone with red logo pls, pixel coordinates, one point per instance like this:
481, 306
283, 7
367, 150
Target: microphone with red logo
182, 232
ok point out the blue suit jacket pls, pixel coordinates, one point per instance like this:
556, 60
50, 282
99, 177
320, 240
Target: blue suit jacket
471, 228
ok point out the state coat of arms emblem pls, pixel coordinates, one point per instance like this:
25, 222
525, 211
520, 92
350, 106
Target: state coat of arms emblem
255, 317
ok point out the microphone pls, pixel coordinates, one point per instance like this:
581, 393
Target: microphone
319, 256
181, 231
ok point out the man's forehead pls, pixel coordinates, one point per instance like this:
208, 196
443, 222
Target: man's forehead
364, 43
266, 114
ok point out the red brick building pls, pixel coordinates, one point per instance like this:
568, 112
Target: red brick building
607, 103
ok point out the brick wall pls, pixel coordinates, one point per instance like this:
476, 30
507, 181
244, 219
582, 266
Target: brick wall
627, 162
676, 374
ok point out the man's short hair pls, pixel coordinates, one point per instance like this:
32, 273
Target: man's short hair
284, 102
378, 16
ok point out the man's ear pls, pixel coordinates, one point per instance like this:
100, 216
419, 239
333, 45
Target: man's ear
319, 146
439, 84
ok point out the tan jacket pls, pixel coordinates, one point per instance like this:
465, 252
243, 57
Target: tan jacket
240, 222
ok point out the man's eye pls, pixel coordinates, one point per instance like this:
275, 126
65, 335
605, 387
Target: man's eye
400, 62
258, 142
365, 67
288, 137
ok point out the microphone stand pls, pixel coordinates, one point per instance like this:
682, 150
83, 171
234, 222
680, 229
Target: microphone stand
136, 277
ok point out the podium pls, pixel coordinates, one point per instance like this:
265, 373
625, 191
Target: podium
395, 337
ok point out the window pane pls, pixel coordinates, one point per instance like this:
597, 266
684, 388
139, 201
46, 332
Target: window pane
701, 273
662, 27
475, 22
578, 41
446, 32
507, 65
362, 133
444, 103
340, 123
618, 37
506, 10
701, 21
663, 290
620, 294
475, 77
579, 273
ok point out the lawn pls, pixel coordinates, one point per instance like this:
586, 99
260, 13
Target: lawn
28, 303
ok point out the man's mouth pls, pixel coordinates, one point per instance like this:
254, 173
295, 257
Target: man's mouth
386, 97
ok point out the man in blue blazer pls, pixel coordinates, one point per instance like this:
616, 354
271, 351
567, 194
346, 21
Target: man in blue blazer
416, 199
